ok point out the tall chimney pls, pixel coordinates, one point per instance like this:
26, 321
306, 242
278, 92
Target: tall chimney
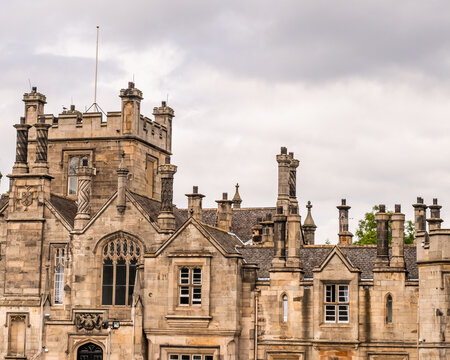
195, 204
309, 227
279, 238
131, 109
382, 219
224, 213
84, 174
41, 164
398, 229
419, 216
164, 115
293, 165
434, 222
284, 161
345, 236
166, 219
34, 106
122, 173
21, 164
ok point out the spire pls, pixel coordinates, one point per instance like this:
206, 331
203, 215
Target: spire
237, 198
309, 227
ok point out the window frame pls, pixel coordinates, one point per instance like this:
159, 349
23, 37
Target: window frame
66, 155
190, 285
389, 308
334, 301
114, 255
60, 259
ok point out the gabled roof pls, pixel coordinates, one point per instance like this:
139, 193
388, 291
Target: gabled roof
242, 219
312, 256
67, 208
225, 242
336, 251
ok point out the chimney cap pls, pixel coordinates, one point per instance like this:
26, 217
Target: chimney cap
398, 208
284, 150
224, 196
195, 189
382, 208
435, 201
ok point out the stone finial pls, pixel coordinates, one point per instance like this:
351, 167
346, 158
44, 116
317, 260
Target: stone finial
398, 229
224, 213
309, 227
195, 204
420, 215
345, 236
434, 222
122, 174
382, 219
237, 198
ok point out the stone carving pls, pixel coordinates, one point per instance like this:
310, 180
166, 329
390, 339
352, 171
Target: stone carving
25, 196
88, 321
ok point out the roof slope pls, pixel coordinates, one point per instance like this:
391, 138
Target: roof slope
227, 240
312, 256
67, 208
3, 201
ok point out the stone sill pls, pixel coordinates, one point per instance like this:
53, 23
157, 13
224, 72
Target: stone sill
16, 357
185, 321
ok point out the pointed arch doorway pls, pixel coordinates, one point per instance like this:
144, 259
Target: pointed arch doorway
89, 351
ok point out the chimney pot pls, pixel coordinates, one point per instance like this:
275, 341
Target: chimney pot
224, 196
22, 120
163, 103
382, 208
283, 150
167, 160
195, 189
435, 201
72, 107
343, 201
34, 89
419, 200
398, 208
130, 85
291, 154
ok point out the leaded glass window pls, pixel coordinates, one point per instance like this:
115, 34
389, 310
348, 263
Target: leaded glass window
59, 275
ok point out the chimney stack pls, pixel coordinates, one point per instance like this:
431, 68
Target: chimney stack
166, 219
34, 106
398, 229
84, 174
267, 231
21, 164
345, 236
382, 219
164, 115
224, 213
195, 204
122, 174
419, 216
41, 164
237, 198
309, 227
279, 238
131, 108
293, 165
284, 161
434, 222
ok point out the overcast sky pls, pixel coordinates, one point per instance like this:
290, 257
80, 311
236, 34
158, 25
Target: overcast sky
358, 90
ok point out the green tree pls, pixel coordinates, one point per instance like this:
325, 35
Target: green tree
367, 229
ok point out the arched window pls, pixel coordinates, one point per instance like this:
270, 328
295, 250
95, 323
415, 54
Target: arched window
59, 275
120, 258
389, 309
285, 308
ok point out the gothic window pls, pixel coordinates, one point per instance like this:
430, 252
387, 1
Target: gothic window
16, 335
285, 308
72, 179
89, 351
389, 309
59, 275
190, 286
120, 258
336, 304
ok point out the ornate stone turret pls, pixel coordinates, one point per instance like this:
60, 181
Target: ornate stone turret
382, 219
21, 164
237, 198
420, 216
131, 108
434, 222
164, 115
284, 161
41, 164
224, 213
122, 174
84, 174
34, 106
166, 219
398, 229
195, 204
345, 236
309, 227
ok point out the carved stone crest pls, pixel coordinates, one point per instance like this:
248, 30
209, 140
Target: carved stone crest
88, 321
25, 196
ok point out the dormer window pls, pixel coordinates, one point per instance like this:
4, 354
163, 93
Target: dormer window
336, 303
190, 286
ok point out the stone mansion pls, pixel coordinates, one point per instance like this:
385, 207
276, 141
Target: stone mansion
97, 263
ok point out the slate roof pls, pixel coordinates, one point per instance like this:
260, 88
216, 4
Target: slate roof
3, 201
242, 219
228, 241
362, 257
67, 208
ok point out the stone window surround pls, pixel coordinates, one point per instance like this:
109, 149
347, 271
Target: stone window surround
322, 291
167, 350
66, 154
11, 314
54, 249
